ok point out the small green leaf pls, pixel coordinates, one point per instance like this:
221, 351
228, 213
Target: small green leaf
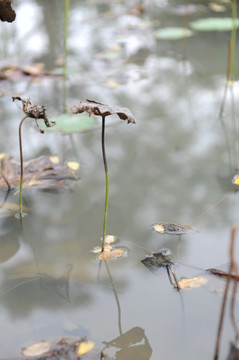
172, 33
68, 123
214, 24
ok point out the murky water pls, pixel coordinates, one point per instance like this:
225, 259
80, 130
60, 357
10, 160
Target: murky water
172, 166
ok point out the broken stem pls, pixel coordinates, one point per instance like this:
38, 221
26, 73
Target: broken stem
106, 182
21, 166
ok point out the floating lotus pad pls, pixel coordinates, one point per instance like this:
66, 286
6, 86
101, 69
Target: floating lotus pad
172, 33
214, 24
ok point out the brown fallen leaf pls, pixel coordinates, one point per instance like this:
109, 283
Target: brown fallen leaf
6, 11
115, 253
42, 173
103, 110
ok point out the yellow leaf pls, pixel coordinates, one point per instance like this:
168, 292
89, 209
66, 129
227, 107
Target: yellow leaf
159, 228
235, 180
106, 255
54, 159
84, 347
194, 282
73, 165
2, 155
109, 239
37, 349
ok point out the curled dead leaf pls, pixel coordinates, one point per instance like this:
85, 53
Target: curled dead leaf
103, 110
115, 253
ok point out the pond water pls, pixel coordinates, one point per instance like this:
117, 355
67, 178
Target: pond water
174, 165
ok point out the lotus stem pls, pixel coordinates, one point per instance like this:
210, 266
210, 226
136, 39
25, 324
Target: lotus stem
106, 182
21, 167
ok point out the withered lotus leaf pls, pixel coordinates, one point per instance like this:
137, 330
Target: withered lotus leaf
34, 111
6, 11
42, 173
158, 260
194, 282
96, 108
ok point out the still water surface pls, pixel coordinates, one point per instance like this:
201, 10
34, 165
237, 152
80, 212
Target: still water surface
173, 165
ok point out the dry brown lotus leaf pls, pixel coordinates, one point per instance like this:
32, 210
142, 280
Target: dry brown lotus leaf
6, 11
195, 282
115, 253
103, 110
37, 349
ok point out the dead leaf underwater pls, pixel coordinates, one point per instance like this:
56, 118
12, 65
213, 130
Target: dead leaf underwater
44, 173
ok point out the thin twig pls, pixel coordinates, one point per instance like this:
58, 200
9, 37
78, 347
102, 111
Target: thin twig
219, 332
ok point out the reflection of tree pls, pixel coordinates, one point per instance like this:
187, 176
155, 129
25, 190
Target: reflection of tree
131, 345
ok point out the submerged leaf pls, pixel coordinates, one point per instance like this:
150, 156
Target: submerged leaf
214, 24
10, 209
194, 282
172, 33
42, 173
114, 253
84, 347
37, 349
173, 228
103, 110
155, 261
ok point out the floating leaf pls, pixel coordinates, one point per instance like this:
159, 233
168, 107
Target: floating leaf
115, 253
173, 228
235, 180
214, 24
194, 282
42, 173
84, 347
172, 33
68, 123
37, 349
103, 110
73, 165
109, 239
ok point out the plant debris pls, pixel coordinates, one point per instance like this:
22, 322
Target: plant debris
35, 112
111, 254
65, 348
103, 110
173, 228
42, 173
195, 282
6, 11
